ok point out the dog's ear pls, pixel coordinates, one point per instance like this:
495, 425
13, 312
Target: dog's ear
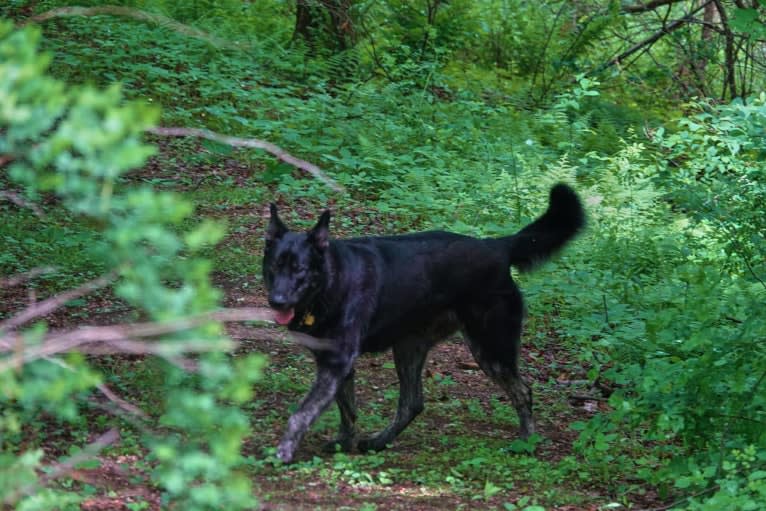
320, 234
276, 228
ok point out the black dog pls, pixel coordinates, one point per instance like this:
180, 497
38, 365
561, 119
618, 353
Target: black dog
407, 293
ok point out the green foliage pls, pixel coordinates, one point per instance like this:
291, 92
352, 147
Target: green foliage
19, 475
749, 21
542, 43
718, 172
461, 119
76, 143
673, 324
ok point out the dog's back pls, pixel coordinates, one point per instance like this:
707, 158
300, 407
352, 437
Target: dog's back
419, 277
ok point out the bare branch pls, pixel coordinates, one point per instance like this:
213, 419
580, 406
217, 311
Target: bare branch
22, 202
752, 271
45, 307
649, 41
102, 340
20, 278
649, 6
118, 10
275, 150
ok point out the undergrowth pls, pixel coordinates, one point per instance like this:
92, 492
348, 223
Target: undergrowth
660, 302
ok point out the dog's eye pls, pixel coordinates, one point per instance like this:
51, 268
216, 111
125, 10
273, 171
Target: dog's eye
281, 261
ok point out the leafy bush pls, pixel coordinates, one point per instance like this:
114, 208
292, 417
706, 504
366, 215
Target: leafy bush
674, 325
75, 144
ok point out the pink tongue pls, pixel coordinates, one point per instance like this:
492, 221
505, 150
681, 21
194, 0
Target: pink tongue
283, 317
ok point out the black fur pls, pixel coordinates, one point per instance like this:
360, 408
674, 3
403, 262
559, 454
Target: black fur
406, 293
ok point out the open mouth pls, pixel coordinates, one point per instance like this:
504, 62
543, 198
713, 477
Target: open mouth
284, 316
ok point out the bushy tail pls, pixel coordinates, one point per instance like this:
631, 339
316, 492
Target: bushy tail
538, 241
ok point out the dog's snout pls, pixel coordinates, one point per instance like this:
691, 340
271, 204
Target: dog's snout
278, 301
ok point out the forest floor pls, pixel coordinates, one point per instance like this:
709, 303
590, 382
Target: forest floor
460, 453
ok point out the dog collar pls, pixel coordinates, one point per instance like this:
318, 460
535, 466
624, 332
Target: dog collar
308, 319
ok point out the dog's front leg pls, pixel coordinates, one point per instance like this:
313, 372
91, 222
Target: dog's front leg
346, 401
328, 379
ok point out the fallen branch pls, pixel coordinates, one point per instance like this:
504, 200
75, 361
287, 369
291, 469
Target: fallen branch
20, 278
118, 10
255, 143
22, 202
45, 307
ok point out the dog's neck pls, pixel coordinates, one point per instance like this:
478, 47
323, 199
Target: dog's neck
325, 296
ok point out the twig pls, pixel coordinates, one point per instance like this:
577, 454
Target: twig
118, 10
752, 271
115, 333
65, 467
106, 391
740, 417
677, 502
255, 143
101, 340
649, 6
22, 202
45, 307
581, 397
564, 383
80, 340
20, 278
649, 41
88, 452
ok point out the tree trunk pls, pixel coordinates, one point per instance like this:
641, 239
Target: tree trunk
730, 55
709, 18
324, 24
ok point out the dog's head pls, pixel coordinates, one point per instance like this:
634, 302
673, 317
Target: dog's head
293, 264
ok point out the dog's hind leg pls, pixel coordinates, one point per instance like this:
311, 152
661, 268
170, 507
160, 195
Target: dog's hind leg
493, 333
409, 357
346, 400
518, 391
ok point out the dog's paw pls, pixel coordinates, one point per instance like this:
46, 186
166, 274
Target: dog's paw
345, 444
285, 452
372, 443
527, 428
